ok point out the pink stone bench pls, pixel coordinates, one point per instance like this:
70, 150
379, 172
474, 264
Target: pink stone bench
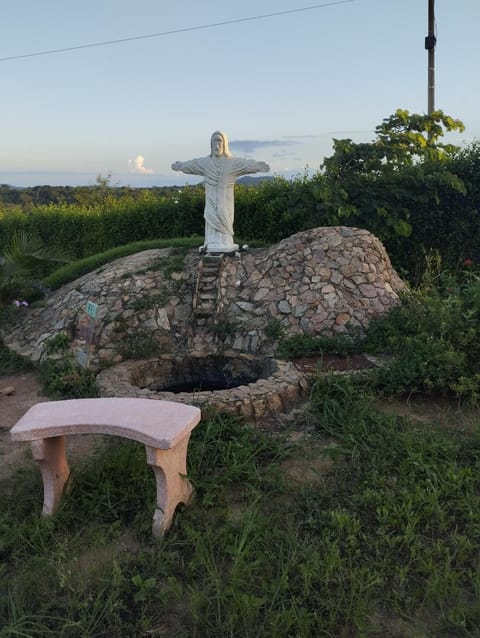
163, 426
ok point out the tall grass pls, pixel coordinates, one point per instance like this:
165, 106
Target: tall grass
390, 534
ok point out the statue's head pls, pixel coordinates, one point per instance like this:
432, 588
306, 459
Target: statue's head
219, 145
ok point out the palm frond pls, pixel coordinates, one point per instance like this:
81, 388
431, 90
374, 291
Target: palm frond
26, 251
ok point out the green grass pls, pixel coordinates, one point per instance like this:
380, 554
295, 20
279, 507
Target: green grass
76, 269
389, 534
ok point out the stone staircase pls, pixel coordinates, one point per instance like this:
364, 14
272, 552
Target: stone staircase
205, 299
205, 304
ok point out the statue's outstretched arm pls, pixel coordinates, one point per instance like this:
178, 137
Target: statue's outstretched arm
246, 166
263, 167
192, 167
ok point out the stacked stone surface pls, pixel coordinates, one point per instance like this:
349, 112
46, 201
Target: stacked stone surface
325, 280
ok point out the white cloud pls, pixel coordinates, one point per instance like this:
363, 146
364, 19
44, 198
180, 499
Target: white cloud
137, 166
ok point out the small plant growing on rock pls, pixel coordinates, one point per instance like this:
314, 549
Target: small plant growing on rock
138, 345
147, 302
225, 328
58, 343
274, 329
166, 265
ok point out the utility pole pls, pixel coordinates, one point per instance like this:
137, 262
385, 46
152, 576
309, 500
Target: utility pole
430, 42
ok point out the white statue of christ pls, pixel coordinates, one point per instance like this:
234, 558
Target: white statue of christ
220, 170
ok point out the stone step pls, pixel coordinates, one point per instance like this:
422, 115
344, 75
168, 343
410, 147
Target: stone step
206, 306
210, 272
212, 262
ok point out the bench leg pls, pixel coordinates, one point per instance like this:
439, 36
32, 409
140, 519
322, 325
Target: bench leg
50, 455
173, 487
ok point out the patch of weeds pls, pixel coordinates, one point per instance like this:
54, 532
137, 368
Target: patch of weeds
158, 300
224, 328
63, 379
126, 275
138, 345
423, 365
468, 389
305, 345
103, 496
433, 337
274, 329
224, 452
174, 263
167, 265
58, 343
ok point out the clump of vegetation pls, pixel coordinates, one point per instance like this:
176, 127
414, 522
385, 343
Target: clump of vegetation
225, 327
61, 375
138, 345
433, 337
168, 265
62, 378
430, 339
146, 302
58, 344
274, 329
300, 345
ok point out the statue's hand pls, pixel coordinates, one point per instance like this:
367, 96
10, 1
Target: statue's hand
177, 166
263, 167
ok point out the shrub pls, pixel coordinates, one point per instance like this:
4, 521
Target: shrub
433, 335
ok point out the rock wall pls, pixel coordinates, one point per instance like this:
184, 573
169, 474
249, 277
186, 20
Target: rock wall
325, 280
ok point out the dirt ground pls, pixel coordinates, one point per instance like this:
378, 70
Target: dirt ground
27, 392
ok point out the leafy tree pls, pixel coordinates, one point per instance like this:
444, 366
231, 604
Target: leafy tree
98, 195
377, 184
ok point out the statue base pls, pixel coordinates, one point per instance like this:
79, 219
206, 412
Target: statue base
219, 248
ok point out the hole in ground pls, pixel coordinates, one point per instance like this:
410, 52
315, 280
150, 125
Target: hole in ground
256, 386
202, 374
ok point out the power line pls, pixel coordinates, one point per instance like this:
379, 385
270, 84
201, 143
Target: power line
174, 31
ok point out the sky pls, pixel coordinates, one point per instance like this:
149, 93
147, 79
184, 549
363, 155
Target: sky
281, 87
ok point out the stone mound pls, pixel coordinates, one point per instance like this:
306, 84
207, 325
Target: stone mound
325, 280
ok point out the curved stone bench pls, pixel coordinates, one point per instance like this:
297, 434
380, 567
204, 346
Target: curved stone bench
163, 426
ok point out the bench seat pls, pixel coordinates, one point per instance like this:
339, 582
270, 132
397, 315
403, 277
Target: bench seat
164, 427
